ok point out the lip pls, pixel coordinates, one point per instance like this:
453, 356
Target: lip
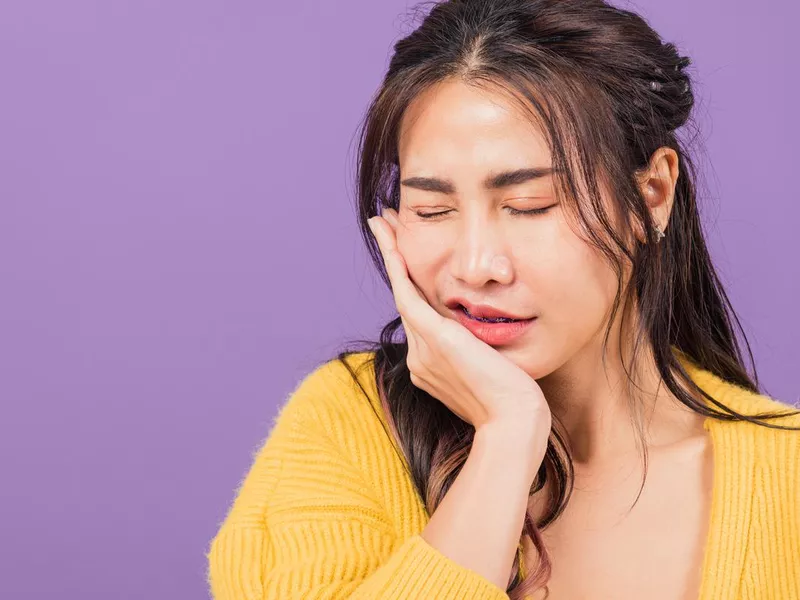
480, 310
494, 334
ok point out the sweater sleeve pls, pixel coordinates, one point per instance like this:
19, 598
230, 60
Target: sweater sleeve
306, 524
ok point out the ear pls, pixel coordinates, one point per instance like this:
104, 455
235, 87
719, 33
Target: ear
657, 185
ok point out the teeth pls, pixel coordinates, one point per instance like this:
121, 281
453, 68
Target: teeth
488, 319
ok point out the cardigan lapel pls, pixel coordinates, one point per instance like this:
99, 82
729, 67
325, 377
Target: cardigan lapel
733, 490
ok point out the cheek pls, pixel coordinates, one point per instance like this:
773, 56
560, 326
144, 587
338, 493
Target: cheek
420, 252
574, 286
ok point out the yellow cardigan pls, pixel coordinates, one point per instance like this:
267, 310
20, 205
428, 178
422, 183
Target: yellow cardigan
328, 511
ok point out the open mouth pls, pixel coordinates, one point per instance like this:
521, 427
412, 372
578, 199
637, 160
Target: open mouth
488, 319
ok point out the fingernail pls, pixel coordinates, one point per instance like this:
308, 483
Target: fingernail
371, 224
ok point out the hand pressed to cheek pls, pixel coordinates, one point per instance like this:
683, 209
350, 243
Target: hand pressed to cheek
407, 296
390, 215
445, 359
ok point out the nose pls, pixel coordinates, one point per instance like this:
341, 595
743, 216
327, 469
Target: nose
480, 254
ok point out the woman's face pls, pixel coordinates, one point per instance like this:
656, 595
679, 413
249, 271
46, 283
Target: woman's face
478, 249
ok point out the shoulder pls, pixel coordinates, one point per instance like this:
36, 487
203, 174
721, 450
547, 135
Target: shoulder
779, 439
324, 447
771, 442
336, 390
763, 407
739, 400
337, 404
766, 456
768, 449
778, 421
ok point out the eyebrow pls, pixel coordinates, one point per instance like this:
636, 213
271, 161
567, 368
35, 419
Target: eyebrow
493, 182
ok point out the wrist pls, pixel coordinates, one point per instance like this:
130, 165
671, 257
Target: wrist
530, 425
516, 443
512, 446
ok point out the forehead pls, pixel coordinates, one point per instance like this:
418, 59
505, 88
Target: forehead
454, 124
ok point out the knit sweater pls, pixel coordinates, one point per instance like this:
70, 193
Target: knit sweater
328, 510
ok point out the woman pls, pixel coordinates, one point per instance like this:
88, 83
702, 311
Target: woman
568, 412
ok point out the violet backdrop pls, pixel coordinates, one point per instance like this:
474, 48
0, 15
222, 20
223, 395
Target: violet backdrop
178, 248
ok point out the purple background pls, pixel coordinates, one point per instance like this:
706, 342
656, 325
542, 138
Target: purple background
178, 247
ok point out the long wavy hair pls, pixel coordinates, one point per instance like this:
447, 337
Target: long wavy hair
599, 80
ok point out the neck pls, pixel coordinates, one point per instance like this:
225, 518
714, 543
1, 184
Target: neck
606, 417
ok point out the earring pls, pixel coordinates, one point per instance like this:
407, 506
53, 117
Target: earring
659, 234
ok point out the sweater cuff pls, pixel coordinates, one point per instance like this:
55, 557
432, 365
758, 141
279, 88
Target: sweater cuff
418, 570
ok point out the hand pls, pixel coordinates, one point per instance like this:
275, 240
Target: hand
475, 381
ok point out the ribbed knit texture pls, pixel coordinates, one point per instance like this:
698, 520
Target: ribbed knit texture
328, 511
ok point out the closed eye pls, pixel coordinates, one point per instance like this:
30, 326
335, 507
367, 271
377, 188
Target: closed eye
512, 210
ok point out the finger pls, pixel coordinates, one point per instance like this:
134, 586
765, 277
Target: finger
416, 343
445, 325
410, 301
391, 218
411, 336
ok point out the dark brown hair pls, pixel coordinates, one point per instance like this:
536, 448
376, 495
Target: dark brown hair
599, 80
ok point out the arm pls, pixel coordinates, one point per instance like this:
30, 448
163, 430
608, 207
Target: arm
479, 521
306, 524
